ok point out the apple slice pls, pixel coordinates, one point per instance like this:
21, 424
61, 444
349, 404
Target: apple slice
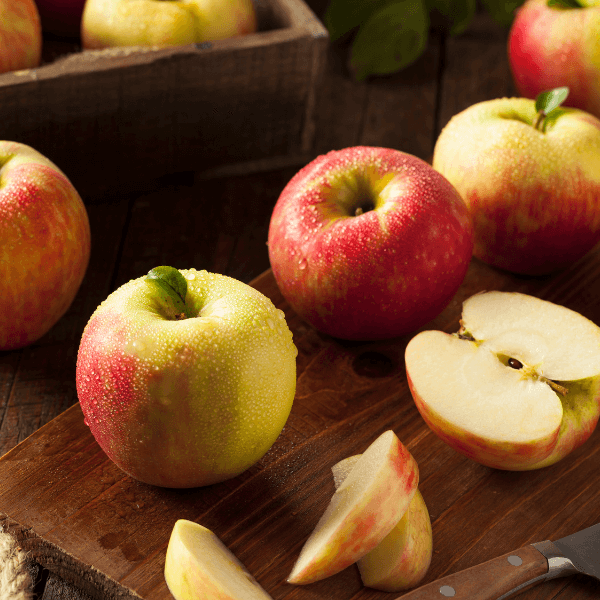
363, 510
198, 565
402, 558
516, 388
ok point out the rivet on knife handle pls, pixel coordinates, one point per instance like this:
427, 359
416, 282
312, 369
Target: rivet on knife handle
488, 581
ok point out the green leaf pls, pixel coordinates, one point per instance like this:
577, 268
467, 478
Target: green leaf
173, 283
547, 101
564, 4
451, 15
342, 16
502, 11
391, 39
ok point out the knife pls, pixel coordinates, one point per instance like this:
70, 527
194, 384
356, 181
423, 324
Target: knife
501, 577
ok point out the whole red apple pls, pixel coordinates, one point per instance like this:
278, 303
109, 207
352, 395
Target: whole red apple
369, 243
20, 35
61, 17
551, 45
45, 244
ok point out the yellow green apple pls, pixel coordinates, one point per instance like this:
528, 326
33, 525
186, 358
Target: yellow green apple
186, 378
363, 510
108, 23
529, 171
517, 388
199, 565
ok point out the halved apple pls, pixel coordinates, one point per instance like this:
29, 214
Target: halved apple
402, 558
517, 388
362, 511
199, 565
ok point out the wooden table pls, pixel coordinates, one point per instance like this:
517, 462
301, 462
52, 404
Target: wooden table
347, 393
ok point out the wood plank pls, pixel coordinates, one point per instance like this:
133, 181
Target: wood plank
348, 393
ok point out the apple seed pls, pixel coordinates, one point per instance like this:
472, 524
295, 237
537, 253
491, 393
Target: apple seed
514, 363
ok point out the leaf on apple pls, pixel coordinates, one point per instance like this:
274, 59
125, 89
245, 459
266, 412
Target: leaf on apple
173, 283
547, 102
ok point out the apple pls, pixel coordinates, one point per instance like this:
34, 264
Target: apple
198, 564
554, 43
108, 23
517, 388
45, 246
20, 35
186, 378
529, 172
362, 511
402, 558
61, 17
369, 243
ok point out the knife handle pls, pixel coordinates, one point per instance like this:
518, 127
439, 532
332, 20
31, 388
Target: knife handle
489, 580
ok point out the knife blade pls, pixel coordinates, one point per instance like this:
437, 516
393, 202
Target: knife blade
513, 572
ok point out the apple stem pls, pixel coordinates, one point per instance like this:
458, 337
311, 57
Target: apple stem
359, 211
561, 389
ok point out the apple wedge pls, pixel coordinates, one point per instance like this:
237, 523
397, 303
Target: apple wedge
199, 565
363, 510
517, 388
402, 558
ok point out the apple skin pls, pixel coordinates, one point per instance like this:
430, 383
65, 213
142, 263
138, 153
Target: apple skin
20, 35
61, 17
383, 273
534, 197
45, 246
109, 23
186, 403
581, 411
550, 47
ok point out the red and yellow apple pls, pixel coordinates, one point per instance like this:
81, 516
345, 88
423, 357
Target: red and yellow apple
44, 248
532, 184
199, 565
108, 23
363, 510
61, 17
186, 378
553, 44
20, 35
517, 388
402, 558
369, 243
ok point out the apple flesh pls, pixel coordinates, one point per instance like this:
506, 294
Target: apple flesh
551, 46
198, 564
402, 558
517, 388
44, 244
20, 35
189, 394
363, 510
109, 23
534, 194
369, 243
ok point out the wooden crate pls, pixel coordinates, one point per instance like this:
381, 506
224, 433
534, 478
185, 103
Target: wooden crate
119, 117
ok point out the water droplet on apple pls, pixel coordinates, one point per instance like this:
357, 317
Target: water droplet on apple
302, 264
270, 323
190, 276
137, 345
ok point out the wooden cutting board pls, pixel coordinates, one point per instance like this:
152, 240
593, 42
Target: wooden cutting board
84, 520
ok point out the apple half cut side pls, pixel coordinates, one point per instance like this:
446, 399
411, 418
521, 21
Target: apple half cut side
401, 560
517, 388
362, 511
198, 564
